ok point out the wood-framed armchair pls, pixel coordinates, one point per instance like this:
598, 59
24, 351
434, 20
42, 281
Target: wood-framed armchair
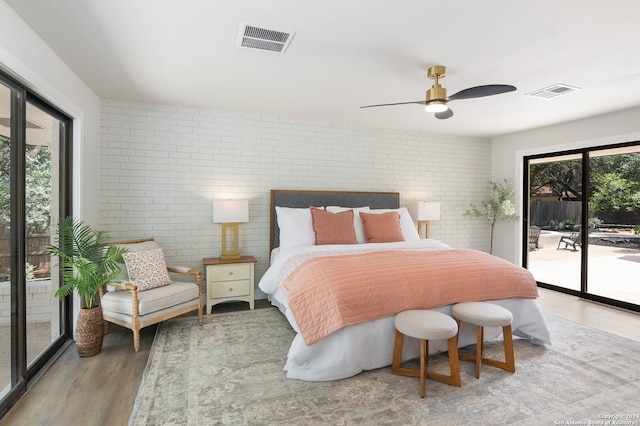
134, 304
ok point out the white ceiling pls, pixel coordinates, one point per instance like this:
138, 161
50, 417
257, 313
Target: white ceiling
350, 53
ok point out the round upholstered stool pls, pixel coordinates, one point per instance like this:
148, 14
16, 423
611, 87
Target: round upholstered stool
483, 314
425, 326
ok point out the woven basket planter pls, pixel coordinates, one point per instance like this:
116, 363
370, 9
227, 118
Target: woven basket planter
89, 332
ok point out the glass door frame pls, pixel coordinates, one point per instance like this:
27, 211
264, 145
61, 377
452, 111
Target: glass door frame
21, 371
584, 252
63, 192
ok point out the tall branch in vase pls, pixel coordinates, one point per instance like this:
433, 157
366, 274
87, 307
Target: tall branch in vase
499, 208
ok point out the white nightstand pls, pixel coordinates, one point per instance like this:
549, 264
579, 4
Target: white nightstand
229, 280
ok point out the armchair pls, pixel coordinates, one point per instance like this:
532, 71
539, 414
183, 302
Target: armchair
145, 293
534, 236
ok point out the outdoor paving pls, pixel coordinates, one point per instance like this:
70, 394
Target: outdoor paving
613, 272
38, 338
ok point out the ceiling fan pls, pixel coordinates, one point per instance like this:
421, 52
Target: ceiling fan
436, 100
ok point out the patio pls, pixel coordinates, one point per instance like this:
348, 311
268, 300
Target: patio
613, 271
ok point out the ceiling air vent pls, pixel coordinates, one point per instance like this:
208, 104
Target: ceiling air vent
252, 37
553, 91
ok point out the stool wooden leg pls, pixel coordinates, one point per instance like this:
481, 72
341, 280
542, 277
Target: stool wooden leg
453, 379
423, 373
397, 352
396, 364
454, 364
477, 357
509, 363
508, 349
479, 349
423, 364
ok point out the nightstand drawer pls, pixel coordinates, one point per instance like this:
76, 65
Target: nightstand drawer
229, 272
230, 288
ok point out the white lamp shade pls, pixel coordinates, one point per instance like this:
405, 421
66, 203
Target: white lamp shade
424, 211
230, 211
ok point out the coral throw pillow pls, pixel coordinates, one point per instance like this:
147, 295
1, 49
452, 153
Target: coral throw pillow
382, 227
147, 269
333, 228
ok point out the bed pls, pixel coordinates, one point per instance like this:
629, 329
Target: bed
352, 330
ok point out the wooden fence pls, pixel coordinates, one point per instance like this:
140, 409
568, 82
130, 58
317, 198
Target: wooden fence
36, 255
543, 212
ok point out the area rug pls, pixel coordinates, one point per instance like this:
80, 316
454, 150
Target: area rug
229, 371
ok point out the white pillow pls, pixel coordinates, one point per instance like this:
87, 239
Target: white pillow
357, 221
296, 227
409, 230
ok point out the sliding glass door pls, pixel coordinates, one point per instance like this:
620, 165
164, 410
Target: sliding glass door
614, 243
34, 191
583, 222
555, 206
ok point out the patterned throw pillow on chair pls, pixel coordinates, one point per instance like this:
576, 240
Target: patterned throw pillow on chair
147, 269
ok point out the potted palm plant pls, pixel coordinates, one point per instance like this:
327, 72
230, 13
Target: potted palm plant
86, 263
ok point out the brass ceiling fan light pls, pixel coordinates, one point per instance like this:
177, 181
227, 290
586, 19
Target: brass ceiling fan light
436, 99
436, 95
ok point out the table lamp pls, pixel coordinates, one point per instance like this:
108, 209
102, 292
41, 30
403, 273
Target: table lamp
424, 212
229, 213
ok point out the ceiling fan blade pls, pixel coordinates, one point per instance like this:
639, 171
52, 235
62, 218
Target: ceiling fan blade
398, 103
444, 114
482, 91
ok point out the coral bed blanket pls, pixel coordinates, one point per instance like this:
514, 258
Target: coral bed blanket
331, 292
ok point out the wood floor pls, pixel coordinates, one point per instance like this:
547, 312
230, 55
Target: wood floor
101, 390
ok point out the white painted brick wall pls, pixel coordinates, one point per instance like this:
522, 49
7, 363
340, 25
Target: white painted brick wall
162, 165
39, 302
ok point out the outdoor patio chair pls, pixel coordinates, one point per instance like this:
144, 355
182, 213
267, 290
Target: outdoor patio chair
575, 239
145, 293
534, 236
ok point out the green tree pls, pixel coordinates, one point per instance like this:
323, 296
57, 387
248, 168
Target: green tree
38, 189
562, 178
627, 166
38, 186
615, 184
498, 209
614, 194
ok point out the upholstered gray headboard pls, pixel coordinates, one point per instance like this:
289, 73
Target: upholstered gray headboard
302, 199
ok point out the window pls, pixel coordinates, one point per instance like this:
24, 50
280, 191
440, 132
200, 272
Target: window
586, 204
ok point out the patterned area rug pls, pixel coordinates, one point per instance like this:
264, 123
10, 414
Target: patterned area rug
229, 371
